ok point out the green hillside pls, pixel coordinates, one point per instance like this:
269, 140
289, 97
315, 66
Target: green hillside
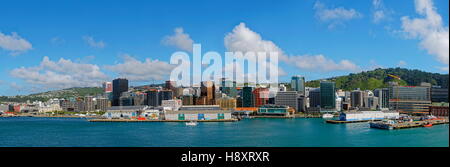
64, 93
379, 78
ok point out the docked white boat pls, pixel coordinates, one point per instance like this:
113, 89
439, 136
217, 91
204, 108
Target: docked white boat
192, 123
327, 116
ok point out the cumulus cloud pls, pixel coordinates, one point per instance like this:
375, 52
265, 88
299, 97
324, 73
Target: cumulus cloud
60, 74
141, 71
243, 39
335, 16
179, 39
380, 12
321, 63
92, 43
429, 29
14, 43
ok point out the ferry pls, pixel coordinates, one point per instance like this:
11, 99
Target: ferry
327, 116
192, 123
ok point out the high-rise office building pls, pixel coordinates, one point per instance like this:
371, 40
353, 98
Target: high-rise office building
89, 104
314, 97
383, 97
208, 90
439, 94
247, 96
120, 85
298, 84
107, 87
287, 98
327, 95
261, 96
153, 98
410, 99
357, 99
301, 103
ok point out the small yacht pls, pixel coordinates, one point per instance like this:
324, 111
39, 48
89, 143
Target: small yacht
192, 123
327, 116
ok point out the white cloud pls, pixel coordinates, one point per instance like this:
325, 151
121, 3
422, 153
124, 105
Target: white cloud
135, 70
429, 29
244, 40
14, 43
92, 43
60, 74
380, 12
401, 63
179, 40
320, 63
335, 16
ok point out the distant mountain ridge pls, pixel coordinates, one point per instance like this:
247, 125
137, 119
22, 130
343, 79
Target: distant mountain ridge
379, 78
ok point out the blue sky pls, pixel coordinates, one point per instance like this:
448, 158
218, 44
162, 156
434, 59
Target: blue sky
100, 40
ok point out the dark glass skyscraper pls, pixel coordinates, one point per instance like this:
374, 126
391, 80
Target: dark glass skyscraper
298, 84
327, 95
120, 85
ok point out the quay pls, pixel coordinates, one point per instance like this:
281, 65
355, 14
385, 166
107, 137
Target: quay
270, 116
344, 122
403, 125
136, 120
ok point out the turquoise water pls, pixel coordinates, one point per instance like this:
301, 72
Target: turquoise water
261, 132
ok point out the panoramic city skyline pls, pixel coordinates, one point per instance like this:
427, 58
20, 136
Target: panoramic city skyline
84, 44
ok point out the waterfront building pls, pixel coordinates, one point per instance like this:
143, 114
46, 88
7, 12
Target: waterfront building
410, 99
371, 102
89, 104
327, 95
298, 84
261, 96
102, 104
338, 103
439, 109
368, 115
107, 87
273, 110
124, 112
165, 95
357, 99
153, 98
383, 97
226, 103
200, 107
173, 104
287, 98
282, 88
439, 94
120, 85
247, 96
126, 99
140, 99
193, 113
314, 97
301, 103
188, 100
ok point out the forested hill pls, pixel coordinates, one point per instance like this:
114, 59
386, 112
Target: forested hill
379, 78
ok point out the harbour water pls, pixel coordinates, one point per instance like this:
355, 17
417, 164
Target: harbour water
258, 132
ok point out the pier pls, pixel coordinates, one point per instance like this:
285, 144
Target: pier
403, 125
135, 120
344, 122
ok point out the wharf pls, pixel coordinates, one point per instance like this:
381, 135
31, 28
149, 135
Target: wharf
344, 122
270, 116
135, 120
403, 125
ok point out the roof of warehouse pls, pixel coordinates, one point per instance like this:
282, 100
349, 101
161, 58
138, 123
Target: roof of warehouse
197, 111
